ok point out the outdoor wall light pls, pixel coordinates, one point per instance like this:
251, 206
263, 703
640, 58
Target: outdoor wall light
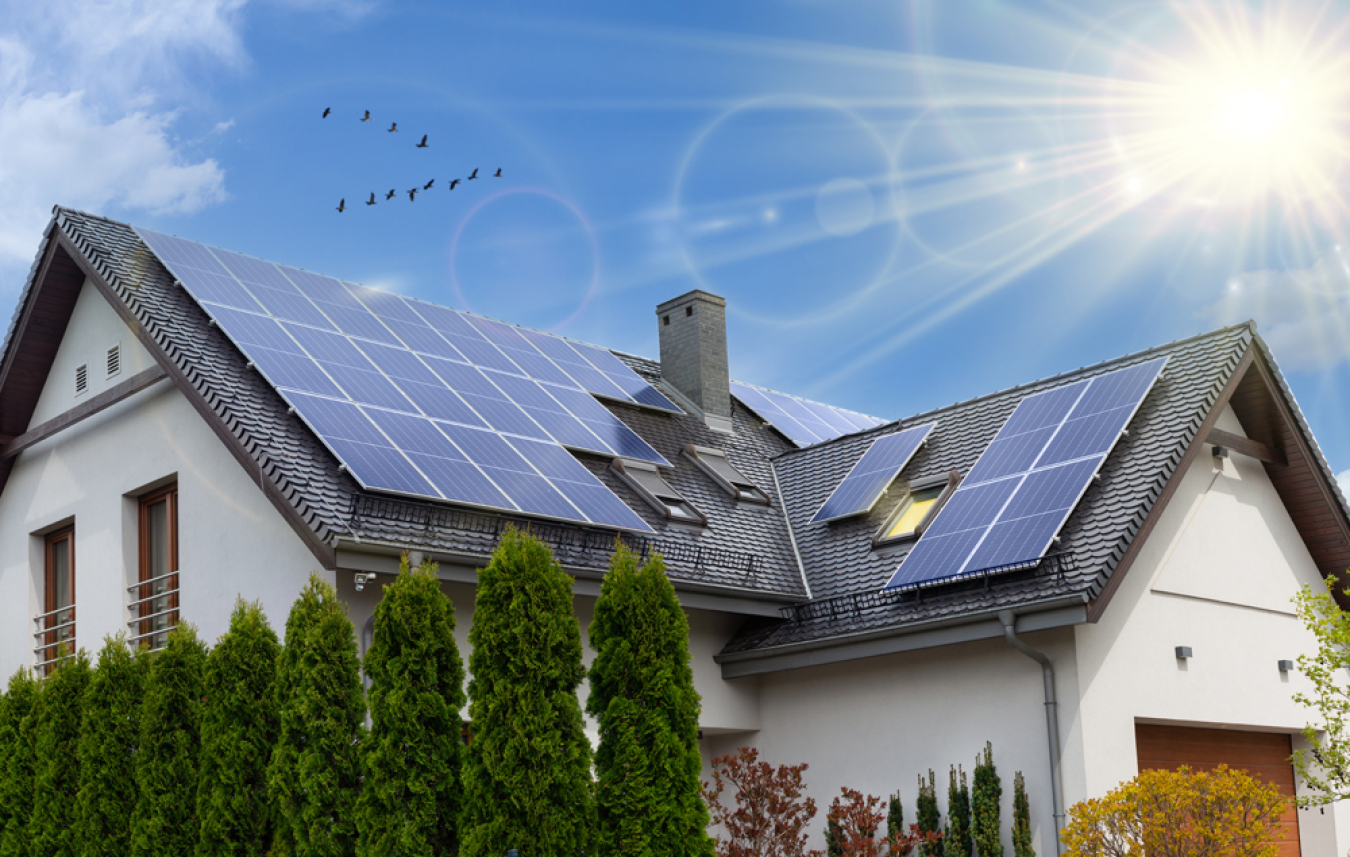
362, 579
1286, 666
1183, 652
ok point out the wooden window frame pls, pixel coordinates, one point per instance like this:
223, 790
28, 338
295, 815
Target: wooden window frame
53, 637
168, 494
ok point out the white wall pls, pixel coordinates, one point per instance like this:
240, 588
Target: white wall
1217, 574
231, 538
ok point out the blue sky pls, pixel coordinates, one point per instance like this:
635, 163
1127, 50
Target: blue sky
905, 204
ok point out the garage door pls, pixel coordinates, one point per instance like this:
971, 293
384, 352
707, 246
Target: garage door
1261, 754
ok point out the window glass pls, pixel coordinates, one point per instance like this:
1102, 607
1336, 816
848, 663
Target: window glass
157, 596
916, 505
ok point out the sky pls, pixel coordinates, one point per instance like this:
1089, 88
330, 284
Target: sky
905, 204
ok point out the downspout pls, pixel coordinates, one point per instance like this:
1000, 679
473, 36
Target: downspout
1008, 618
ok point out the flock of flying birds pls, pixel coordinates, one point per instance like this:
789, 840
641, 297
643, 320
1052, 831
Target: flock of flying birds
413, 192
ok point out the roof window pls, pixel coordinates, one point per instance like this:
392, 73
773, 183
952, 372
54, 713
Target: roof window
714, 462
645, 479
920, 503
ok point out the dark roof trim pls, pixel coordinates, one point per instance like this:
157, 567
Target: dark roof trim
323, 552
83, 411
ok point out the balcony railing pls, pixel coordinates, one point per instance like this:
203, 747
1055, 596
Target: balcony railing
155, 614
55, 637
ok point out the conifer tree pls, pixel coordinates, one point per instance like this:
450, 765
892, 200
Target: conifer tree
527, 771
165, 820
956, 834
410, 797
895, 826
988, 791
56, 768
1021, 826
314, 775
642, 696
18, 720
929, 820
239, 727
109, 736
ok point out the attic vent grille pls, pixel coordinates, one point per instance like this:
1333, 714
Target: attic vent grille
81, 378
114, 360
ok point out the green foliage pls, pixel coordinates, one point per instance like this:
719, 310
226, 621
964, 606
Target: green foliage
986, 794
1179, 814
165, 820
929, 820
956, 833
1324, 766
239, 727
410, 800
527, 771
895, 826
109, 736
642, 695
314, 776
1021, 826
18, 720
56, 769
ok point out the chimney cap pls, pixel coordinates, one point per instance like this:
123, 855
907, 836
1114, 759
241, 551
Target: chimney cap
689, 297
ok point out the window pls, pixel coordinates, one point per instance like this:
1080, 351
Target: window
57, 623
920, 503
714, 462
155, 597
645, 479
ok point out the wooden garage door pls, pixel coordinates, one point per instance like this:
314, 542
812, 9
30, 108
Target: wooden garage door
1261, 754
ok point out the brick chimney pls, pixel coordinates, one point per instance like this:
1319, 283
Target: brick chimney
694, 354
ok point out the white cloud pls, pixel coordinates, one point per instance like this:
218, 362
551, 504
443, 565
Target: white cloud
1344, 479
1304, 314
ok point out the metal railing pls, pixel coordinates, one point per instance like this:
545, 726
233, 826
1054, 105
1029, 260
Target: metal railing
162, 617
854, 605
59, 635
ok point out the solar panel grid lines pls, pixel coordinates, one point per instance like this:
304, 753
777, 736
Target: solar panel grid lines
803, 422
865, 482
1029, 479
386, 408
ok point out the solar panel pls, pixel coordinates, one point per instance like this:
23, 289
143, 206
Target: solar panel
802, 421
863, 485
1029, 479
388, 386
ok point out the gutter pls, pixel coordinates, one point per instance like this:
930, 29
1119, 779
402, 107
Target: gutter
1009, 620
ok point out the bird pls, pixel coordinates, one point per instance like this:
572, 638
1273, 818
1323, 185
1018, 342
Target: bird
393, 128
428, 185
497, 174
453, 182
412, 195
391, 194
473, 175
372, 201
326, 111
342, 204
423, 144
366, 118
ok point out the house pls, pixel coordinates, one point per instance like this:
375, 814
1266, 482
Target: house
178, 426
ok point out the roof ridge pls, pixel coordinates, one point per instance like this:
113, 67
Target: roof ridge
1249, 325
58, 210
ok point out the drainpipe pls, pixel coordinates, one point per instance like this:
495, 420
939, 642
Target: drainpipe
1008, 618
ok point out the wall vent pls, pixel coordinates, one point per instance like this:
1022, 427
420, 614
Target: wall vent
81, 378
114, 360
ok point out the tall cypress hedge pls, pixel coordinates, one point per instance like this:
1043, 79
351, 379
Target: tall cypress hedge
18, 720
109, 738
165, 820
56, 769
956, 835
1021, 826
648, 799
985, 798
239, 727
314, 775
527, 771
410, 799
895, 826
928, 817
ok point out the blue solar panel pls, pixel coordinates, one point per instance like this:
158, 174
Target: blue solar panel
768, 410
620, 375
1028, 481
863, 485
803, 422
382, 381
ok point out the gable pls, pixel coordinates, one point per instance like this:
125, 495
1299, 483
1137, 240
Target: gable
93, 329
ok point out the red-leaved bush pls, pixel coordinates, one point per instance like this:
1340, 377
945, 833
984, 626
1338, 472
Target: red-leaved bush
771, 812
856, 819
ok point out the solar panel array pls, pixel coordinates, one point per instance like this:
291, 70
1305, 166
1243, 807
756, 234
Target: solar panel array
422, 400
882, 462
1023, 487
804, 422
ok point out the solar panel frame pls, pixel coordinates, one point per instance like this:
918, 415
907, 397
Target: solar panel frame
860, 489
803, 422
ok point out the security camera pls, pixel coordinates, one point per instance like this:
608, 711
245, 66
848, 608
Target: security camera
362, 579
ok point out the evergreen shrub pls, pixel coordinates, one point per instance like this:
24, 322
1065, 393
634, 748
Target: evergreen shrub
928, 818
56, 760
985, 798
1021, 826
109, 737
18, 721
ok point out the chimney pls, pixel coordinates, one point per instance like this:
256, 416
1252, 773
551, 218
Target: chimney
694, 354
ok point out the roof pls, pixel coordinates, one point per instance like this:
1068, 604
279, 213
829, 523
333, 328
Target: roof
768, 554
